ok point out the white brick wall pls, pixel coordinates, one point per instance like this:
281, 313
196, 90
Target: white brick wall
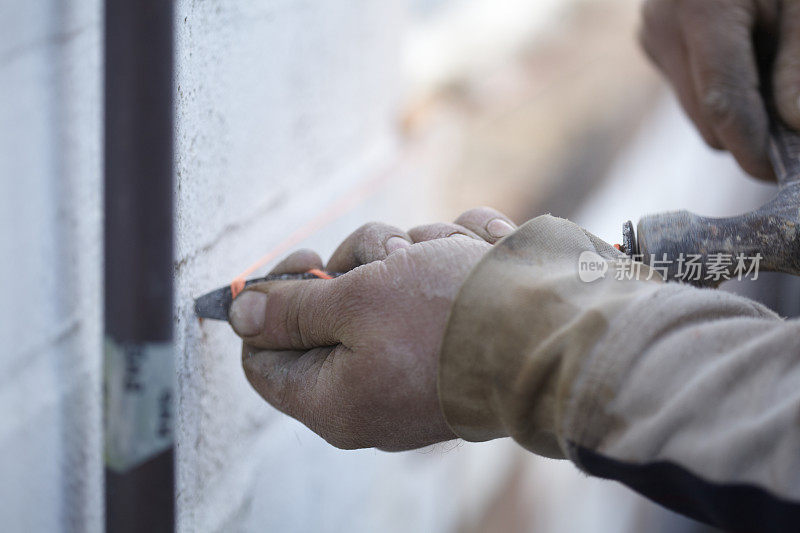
50, 171
281, 107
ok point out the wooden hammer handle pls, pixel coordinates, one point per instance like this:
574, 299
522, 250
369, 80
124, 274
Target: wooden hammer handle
784, 151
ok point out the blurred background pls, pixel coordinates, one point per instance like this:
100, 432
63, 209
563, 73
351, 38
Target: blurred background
284, 108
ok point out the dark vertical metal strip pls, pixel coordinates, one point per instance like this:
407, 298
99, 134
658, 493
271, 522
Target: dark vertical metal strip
139, 365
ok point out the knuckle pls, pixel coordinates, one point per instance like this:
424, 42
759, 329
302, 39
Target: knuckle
363, 234
365, 228
717, 101
293, 317
478, 215
314, 309
361, 294
306, 255
475, 212
370, 239
439, 230
447, 229
371, 231
350, 285
352, 297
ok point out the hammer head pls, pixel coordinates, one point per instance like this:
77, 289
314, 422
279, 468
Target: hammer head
720, 248
706, 251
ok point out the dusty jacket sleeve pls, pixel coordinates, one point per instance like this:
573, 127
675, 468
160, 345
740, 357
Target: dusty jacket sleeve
689, 396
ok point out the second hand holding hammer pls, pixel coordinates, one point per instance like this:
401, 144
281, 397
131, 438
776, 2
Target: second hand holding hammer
770, 231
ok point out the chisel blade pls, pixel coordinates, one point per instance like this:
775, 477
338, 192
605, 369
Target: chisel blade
217, 304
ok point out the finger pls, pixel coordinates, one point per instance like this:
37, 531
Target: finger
489, 224
787, 64
439, 230
298, 262
371, 242
723, 65
289, 315
663, 42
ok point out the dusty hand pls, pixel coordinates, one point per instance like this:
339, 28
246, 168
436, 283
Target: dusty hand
708, 49
355, 358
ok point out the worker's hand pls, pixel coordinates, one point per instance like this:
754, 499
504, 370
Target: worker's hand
355, 358
707, 50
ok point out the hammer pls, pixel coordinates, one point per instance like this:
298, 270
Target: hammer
767, 236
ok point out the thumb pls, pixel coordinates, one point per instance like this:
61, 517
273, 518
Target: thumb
288, 380
307, 386
786, 74
288, 315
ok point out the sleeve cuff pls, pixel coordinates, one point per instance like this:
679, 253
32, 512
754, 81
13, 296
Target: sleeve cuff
520, 331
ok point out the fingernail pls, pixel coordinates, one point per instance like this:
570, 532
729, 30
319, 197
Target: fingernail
248, 312
395, 243
498, 228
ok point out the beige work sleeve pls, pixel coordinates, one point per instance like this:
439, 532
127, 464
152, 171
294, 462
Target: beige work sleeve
689, 396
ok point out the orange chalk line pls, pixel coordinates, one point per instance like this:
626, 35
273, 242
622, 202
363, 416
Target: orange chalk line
339, 208
321, 274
